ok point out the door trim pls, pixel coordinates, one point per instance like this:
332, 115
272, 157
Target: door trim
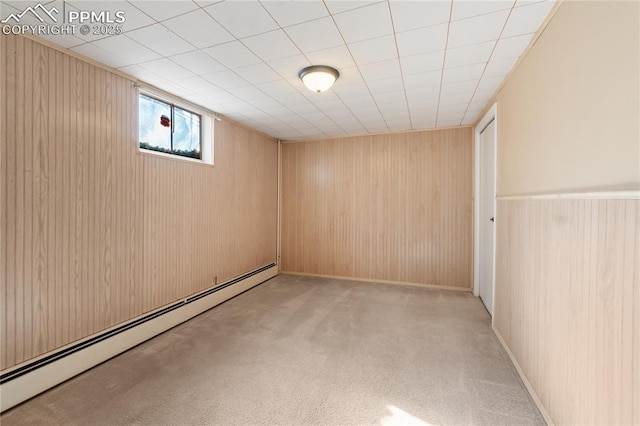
491, 115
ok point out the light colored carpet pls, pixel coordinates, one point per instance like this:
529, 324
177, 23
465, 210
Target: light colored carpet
302, 351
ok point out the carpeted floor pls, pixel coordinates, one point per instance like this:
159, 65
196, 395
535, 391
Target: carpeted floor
301, 350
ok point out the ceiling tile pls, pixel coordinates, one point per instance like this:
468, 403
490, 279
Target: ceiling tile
477, 29
205, 3
315, 35
337, 57
350, 76
65, 40
374, 50
231, 104
449, 122
394, 84
242, 18
170, 70
351, 90
226, 79
426, 123
527, 19
470, 117
197, 99
293, 101
398, 124
520, 3
396, 114
328, 97
161, 10
478, 103
446, 100
464, 88
266, 103
161, 40
427, 101
499, 68
417, 113
395, 99
197, 62
276, 88
422, 63
425, 79
355, 103
199, 29
257, 73
511, 47
409, 15
380, 70
452, 111
463, 9
295, 12
232, 55
339, 6
423, 40
365, 23
340, 115
306, 108
290, 66
425, 98
377, 127
198, 85
489, 85
140, 73
102, 56
126, 49
466, 73
272, 45
468, 55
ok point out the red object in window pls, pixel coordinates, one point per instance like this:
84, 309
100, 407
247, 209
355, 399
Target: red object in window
165, 121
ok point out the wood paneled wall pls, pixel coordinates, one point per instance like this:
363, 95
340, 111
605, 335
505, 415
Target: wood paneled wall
567, 304
395, 207
94, 233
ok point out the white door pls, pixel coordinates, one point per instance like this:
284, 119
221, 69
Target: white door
487, 206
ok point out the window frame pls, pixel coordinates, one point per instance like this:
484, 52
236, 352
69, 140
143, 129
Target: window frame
206, 133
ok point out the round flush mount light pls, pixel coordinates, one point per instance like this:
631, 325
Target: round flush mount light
318, 78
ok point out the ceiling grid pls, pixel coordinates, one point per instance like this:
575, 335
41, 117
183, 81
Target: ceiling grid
404, 64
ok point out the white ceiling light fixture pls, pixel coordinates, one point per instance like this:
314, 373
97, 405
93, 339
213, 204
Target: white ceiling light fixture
318, 78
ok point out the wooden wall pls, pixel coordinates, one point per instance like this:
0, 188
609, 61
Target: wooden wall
567, 299
395, 207
567, 304
94, 233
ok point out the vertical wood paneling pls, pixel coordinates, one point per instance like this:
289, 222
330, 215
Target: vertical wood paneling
94, 233
567, 306
392, 207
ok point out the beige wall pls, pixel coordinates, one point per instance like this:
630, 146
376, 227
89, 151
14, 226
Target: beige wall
567, 303
567, 296
94, 233
569, 114
393, 207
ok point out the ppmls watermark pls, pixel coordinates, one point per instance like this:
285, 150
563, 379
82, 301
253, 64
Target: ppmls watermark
71, 22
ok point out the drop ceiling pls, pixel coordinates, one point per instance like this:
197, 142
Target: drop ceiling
404, 64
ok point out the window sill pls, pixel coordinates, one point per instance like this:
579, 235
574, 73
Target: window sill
152, 153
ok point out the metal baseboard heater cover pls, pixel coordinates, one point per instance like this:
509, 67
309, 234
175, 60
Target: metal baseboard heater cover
32, 378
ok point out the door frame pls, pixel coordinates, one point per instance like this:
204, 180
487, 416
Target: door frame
492, 114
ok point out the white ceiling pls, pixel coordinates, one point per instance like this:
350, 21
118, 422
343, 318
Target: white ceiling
404, 64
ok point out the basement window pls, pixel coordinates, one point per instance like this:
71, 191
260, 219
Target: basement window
171, 129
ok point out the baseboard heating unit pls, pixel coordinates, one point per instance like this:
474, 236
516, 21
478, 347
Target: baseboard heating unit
28, 379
